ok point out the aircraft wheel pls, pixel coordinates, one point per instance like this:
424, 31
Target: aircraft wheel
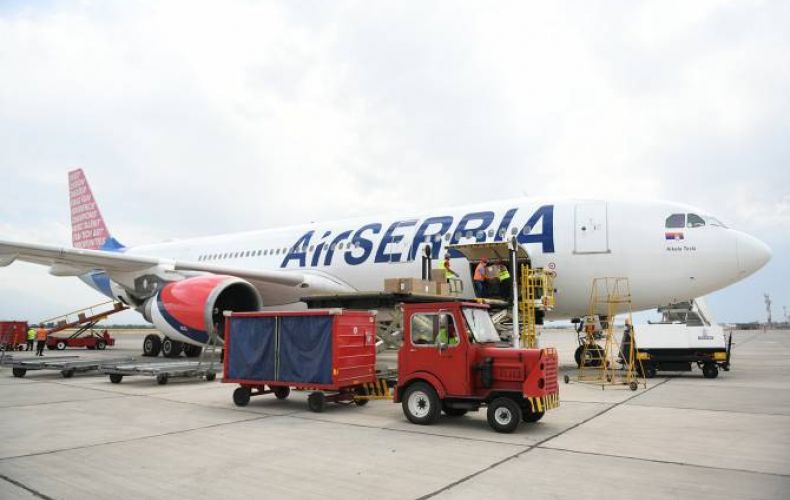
504, 415
171, 348
152, 345
594, 355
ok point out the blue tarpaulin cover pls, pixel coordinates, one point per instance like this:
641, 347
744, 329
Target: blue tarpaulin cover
252, 355
294, 349
306, 349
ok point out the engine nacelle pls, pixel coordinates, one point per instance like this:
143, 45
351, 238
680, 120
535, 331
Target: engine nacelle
189, 310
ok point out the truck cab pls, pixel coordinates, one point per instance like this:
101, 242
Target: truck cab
452, 361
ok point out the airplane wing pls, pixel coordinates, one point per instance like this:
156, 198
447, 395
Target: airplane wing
74, 262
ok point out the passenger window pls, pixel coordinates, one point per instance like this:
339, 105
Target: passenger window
676, 221
432, 329
695, 220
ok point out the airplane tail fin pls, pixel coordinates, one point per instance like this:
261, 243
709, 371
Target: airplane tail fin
88, 229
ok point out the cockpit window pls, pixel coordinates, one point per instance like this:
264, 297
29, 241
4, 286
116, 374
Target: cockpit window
713, 221
676, 220
695, 220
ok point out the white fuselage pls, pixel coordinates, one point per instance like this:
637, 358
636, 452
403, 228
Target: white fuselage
578, 239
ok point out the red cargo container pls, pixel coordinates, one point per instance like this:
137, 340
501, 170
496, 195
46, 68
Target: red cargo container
13, 335
332, 351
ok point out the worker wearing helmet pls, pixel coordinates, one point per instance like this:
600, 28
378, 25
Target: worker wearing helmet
31, 336
41, 340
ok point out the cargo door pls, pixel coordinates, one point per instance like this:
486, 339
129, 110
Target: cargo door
590, 228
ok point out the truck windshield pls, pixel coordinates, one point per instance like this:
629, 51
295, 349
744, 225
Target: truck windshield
480, 324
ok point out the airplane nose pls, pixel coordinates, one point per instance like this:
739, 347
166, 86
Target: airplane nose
752, 254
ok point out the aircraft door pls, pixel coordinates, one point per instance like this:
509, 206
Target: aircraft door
590, 228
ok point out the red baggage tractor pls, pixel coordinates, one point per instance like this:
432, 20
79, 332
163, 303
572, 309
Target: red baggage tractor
331, 351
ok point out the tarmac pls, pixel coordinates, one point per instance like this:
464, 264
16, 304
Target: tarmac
682, 436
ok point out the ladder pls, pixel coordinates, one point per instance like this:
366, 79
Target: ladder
208, 355
537, 294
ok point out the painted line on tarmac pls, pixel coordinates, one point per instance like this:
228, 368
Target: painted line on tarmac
719, 410
131, 440
25, 487
667, 462
536, 445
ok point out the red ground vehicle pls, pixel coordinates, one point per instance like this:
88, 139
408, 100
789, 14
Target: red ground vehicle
91, 340
451, 361
330, 351
13, 335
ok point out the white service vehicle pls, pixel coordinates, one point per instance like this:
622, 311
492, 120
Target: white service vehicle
686, 335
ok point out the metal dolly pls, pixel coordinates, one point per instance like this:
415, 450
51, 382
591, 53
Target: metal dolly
163, 371
67, 365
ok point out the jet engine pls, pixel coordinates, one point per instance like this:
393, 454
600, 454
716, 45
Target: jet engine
191, 310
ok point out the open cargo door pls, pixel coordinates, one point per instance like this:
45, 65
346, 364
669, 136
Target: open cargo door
491, 251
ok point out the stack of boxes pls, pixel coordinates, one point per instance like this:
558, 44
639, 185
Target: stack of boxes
409, 285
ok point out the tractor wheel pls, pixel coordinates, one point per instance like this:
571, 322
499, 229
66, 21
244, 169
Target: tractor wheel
152, 345
531, 416
710, 370
421, 404
316, 401
241, 396
504, 415
281, 392
172, 348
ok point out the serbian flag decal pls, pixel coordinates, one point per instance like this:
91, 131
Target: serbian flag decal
673, 235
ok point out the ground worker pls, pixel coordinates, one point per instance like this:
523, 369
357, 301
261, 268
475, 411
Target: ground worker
445, 266
41, 340
479, 278
446, 332
31, 336
505, 285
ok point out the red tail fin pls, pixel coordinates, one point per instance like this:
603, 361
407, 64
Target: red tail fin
87, 224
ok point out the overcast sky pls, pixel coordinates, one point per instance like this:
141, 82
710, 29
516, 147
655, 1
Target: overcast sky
196, 118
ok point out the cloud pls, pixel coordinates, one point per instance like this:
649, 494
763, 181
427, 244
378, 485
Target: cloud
192, 118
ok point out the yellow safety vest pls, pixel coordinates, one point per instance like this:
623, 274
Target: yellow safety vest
447, 273
504, 274
442, 337
31, 334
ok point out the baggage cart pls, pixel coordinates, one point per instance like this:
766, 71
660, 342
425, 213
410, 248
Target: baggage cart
66, 365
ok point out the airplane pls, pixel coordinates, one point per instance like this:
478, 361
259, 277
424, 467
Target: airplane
669, 252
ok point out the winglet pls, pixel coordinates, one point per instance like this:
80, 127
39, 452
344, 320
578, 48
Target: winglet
88, 229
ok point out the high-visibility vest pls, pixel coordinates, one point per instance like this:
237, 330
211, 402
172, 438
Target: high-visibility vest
442, 337
444, 266
41, 334
503, 274
31, 334
480, 272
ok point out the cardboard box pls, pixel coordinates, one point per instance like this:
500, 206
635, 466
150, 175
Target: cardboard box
409, 285
437, 275
443, 288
